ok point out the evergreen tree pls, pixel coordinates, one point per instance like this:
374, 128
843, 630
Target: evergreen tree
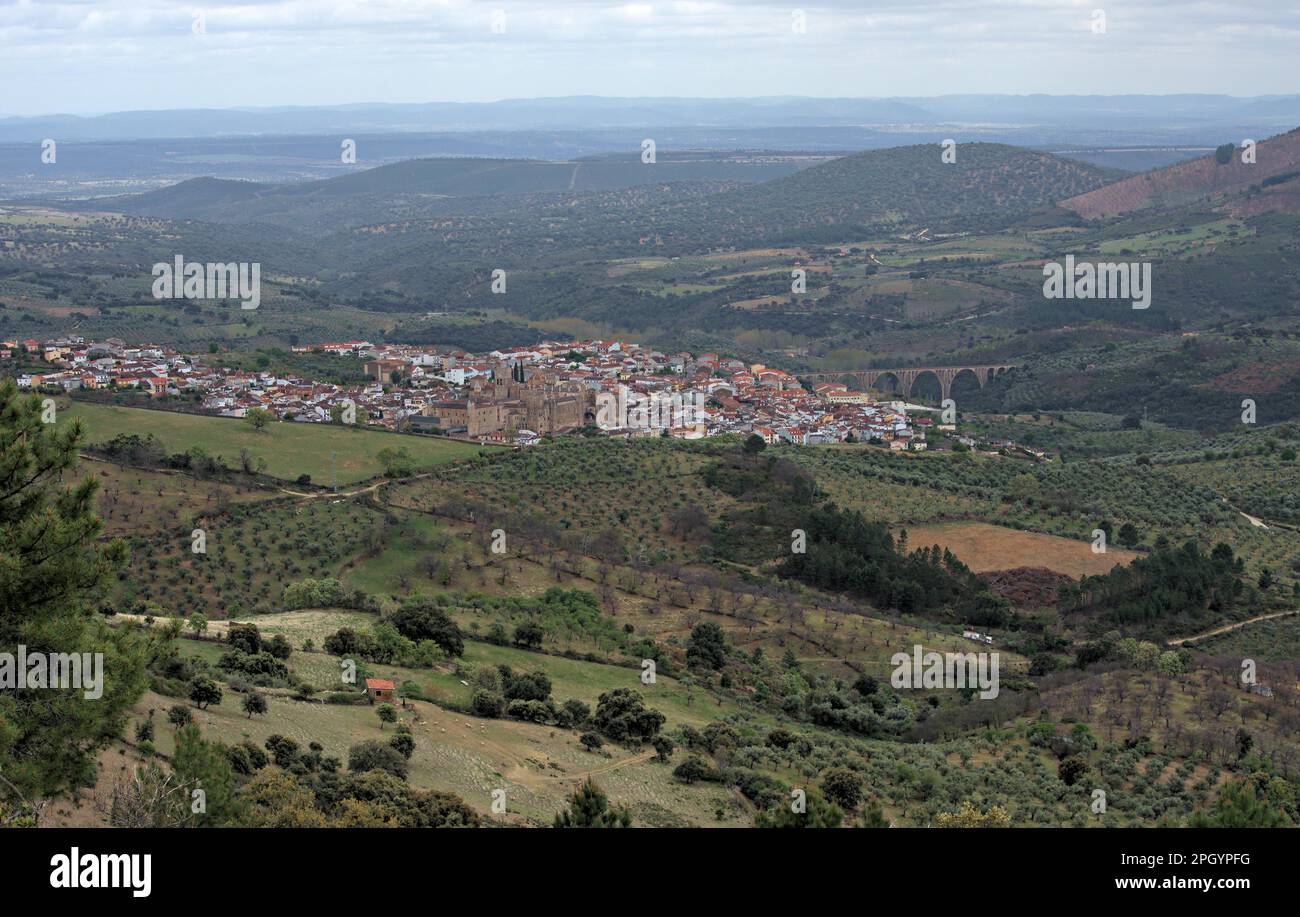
1239, 805
819, 813
49, 561
205, 766
589, 808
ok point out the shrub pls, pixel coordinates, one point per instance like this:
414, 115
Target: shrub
487, 703
371, 755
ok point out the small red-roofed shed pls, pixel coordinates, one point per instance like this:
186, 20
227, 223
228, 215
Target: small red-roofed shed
380, 689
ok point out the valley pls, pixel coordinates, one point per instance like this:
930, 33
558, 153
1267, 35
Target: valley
372, 553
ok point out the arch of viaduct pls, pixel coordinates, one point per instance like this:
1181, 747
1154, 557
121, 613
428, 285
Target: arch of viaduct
906, 378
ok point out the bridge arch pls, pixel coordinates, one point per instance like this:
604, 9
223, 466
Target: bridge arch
966, 375
927, 374
903, 381
898, 386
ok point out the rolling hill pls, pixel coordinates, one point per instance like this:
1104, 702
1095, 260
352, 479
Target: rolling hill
779, 195
372, 193
912, 184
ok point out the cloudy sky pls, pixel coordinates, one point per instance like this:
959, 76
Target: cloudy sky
91, 56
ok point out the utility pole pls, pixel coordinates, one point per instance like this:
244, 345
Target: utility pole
334, 471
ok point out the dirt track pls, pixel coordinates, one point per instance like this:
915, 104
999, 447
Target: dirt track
1230, 627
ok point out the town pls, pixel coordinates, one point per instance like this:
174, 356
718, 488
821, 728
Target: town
513, 396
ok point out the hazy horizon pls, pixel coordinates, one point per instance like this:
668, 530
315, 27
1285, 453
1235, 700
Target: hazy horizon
504, 100
107, 56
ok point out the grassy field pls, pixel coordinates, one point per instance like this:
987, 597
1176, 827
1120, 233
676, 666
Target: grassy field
537, 766
679, 701
289, 449
1174, 241
398, 566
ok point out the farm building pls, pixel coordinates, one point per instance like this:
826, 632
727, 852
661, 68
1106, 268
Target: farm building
380, 690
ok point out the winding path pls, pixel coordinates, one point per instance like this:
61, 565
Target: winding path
1231, 627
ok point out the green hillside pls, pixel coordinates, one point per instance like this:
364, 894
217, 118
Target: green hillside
289, 449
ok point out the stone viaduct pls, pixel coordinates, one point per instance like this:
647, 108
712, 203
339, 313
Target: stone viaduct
906, 378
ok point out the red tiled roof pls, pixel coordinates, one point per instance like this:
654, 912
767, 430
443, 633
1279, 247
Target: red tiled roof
379, 684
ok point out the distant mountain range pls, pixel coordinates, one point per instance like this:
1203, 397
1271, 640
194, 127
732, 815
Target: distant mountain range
1184, 114
686, 199
126, 152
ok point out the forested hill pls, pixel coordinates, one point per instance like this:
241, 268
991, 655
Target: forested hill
911, 185
777, 198
422, 186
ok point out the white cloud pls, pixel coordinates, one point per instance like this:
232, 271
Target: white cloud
101, 55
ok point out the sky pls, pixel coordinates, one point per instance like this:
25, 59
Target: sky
95, 56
